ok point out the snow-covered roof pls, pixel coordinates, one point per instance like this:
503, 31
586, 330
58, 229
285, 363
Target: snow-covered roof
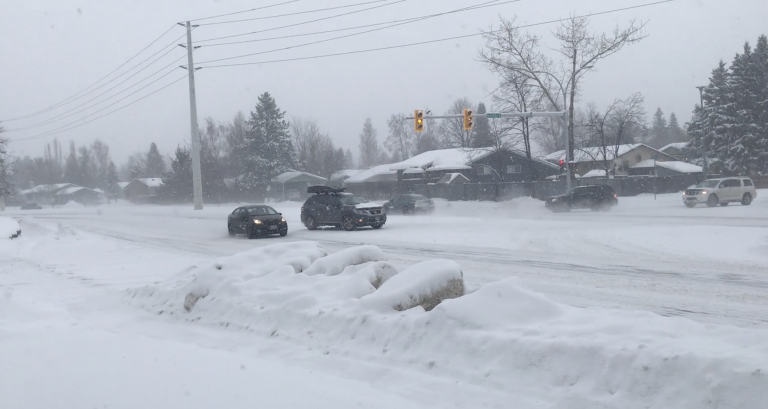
122, 185
450, 177
150, 182
444, 159
296, 176
413, 171
381, 173
46, 188
343, 174
677, 166
675, 145
69, 190
595, 153
594, 173
97, 190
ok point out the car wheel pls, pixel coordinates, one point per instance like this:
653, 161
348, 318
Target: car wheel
348, 223
310, 223
606, 207
690, 205
713, 201
251, 233
284, 233
595, 208
378, 226
723, 204
406, 210
230, 230
746, 200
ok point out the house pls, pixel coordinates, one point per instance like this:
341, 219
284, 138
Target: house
142, 190
78, 194
452, 179
295, 180
338, 178
44, 194
667, 168
592, 158
479, 165
676, 149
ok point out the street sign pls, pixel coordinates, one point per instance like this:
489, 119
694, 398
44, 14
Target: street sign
493, 115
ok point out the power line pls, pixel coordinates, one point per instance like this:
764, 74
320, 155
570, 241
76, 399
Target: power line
295, 13
67, 114
356, 27
298, 24
244, 11
429, 41
60, 130
359, 33
64, 101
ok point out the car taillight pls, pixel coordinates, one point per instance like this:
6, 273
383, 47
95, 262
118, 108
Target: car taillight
614, 196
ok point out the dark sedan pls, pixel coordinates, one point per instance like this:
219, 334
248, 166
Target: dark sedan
409, 203
256, 221
594, 197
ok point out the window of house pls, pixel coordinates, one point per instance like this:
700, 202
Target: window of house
514, 168
484, 170
638, 158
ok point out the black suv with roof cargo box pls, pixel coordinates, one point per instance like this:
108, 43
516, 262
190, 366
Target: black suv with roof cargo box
329, 206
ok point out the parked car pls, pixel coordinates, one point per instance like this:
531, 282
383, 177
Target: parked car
594, 197
409, 203
30, 206
721, 191
255, 221
292, 194
329, 206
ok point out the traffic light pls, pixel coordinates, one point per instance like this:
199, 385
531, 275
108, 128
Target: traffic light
562, 165
418, 120
469, 120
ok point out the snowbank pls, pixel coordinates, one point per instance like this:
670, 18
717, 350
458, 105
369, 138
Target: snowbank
501, 336
9, 228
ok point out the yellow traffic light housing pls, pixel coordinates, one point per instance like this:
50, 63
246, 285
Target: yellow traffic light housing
418, 120
469, 120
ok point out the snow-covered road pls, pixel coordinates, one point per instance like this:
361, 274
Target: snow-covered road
649, 253
66, 329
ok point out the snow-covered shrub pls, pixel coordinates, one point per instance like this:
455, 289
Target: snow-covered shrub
425, 284
333, 264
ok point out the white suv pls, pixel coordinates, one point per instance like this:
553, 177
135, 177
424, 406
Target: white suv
721, 191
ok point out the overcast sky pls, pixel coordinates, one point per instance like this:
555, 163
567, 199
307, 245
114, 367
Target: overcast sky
52, 49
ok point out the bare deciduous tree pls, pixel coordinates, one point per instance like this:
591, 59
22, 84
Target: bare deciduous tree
400, 140
510, 50
452, 132
370, 150
610, 130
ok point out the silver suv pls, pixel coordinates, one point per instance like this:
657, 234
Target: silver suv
721, 191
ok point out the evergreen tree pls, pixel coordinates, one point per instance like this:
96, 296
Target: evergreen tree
267, 146
155, 166
86, 167
659, 129
482, 129
349, 159
370, 151
674, 131
6, 184
177, 183
71, 167
111, 178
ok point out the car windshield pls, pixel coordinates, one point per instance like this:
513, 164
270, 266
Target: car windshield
261, 211
351, 200
708, 183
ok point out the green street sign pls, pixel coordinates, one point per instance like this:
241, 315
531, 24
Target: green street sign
492, 115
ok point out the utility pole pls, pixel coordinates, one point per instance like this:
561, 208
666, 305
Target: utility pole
197, 184
704, 159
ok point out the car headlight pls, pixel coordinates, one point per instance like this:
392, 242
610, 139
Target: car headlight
703, 192
283, 220
257, 221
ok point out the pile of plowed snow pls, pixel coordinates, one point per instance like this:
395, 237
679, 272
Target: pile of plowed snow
354, 303
9, 228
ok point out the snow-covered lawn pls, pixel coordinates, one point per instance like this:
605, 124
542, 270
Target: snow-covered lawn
88, 320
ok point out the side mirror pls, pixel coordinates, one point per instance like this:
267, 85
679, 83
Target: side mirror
279, 214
